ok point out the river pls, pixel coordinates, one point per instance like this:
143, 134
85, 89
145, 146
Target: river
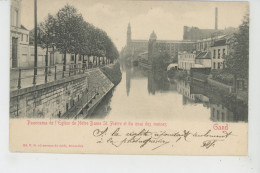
146, 94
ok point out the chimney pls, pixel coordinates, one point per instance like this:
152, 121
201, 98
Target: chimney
216, 18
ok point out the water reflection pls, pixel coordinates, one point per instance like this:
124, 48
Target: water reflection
128, 81
223, 108
157, 82
147, 94
220, 113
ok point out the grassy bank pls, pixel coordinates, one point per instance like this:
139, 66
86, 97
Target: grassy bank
113, 73
222, 76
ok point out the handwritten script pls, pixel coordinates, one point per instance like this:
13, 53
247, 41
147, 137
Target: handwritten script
158, 139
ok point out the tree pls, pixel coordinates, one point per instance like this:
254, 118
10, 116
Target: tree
238, 59
77, 35
46, 36
101, 36
111, 51
68, 31
161, 60
85, 40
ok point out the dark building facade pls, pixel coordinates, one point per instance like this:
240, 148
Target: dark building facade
194, 33
172, 47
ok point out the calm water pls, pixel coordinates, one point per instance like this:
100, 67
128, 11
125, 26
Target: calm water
145, 94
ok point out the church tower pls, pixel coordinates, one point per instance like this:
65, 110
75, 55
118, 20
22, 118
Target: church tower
152, 47
129, 33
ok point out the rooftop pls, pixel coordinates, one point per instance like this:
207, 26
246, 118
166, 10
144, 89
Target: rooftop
139, 40
204, 55
22, 27
221, 42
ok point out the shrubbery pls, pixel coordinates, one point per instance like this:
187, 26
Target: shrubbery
222, 76
113, 73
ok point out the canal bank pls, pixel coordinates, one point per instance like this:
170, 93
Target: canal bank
113, 73
99, 82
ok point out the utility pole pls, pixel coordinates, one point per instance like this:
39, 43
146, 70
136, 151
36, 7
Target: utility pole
216, 18
35, 42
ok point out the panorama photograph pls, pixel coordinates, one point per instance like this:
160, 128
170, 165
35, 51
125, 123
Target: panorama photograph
129, 60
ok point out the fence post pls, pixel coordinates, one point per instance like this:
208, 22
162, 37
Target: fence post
19, 79
69, 69
63, 72
55, 75
46, 74
34, 77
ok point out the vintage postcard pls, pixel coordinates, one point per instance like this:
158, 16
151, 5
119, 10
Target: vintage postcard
129, 77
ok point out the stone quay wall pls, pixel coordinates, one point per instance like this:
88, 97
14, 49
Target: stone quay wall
97, 83
66, 97
49, 100
220, 85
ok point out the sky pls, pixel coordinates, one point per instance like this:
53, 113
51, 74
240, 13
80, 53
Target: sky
166, 18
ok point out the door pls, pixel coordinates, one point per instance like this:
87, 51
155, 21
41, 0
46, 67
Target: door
52, 59
14, 52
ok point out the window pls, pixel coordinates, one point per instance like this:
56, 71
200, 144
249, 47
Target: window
27, 38
214, 54
22, 37
15, 18
63, 58
80, 57
224, 52
217, 115
223, 116
71, 57
218, 65
67, 106
218, 53
24, 58
214, 65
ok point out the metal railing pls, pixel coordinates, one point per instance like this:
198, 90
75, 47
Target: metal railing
24, 77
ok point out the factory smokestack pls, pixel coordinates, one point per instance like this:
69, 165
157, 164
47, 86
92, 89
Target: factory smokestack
216, 18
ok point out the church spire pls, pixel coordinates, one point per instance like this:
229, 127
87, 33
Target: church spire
129, 34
